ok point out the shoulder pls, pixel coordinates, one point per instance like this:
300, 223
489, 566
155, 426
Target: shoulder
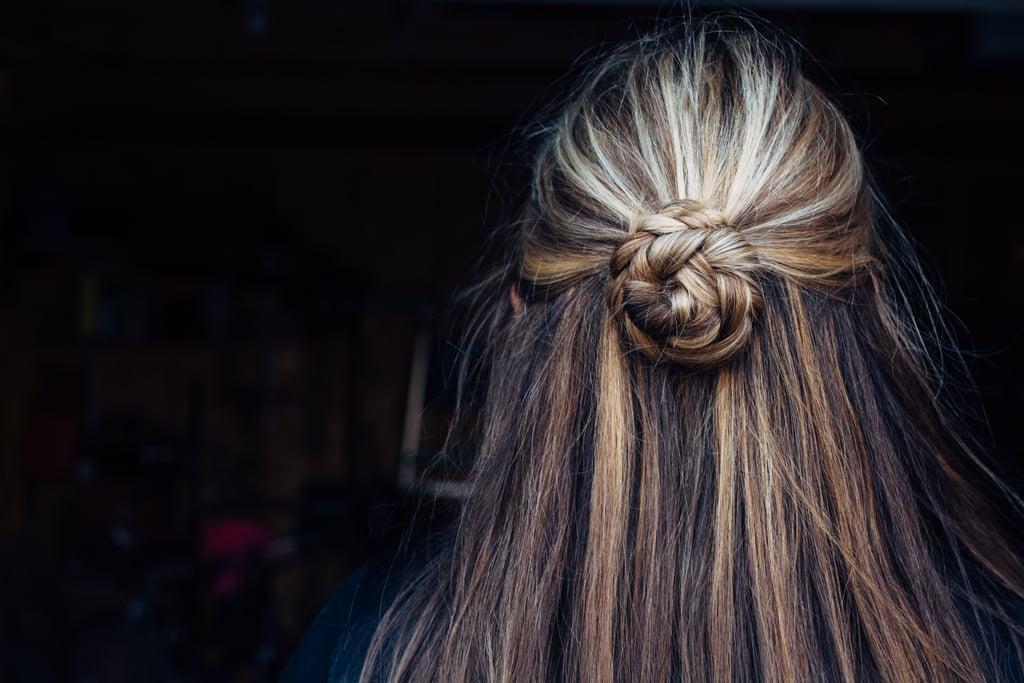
335, 646
1002, 640
333, 649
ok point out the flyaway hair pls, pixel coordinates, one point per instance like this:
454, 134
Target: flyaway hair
718, 441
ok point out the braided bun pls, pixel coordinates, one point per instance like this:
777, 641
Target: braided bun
685, 284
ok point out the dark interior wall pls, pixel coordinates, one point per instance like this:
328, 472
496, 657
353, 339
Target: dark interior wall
221, 225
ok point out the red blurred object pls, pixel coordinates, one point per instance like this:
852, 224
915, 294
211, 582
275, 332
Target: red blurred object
239, 544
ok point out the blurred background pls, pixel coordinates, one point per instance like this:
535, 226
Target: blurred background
228, 230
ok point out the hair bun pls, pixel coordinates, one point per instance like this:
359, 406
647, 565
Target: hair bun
685, 283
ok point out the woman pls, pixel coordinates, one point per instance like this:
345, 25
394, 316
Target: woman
717, 438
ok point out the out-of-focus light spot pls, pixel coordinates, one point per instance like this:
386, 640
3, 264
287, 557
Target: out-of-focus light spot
258, 23
257, 20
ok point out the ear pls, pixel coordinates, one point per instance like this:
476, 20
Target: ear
515, 299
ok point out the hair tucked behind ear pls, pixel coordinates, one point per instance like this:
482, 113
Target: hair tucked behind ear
715, 444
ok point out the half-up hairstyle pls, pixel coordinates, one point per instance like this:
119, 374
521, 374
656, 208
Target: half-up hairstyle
718, 440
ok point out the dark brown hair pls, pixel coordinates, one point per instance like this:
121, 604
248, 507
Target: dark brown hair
718, 440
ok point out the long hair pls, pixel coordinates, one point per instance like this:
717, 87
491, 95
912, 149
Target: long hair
718, 439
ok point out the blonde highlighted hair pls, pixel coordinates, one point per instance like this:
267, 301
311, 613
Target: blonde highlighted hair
715, 441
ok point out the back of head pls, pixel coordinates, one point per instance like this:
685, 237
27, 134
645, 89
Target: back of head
712, 445
722, 164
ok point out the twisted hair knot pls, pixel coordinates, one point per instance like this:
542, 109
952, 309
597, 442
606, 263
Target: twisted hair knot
685, 284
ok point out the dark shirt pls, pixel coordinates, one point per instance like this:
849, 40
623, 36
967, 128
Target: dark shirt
334, 647
336, 644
